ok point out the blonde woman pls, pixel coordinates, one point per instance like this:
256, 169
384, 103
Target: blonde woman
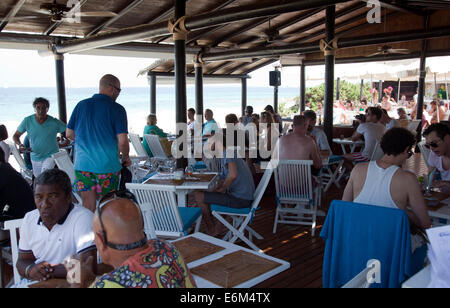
152, 129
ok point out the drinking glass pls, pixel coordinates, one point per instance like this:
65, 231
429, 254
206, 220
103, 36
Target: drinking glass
189, 171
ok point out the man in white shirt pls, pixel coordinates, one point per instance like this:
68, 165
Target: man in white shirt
437, 138
54, 231
372, 131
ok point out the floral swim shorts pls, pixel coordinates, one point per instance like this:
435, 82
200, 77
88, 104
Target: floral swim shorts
100, 183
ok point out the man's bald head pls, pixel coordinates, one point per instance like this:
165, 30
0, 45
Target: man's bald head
122, 221
110, 86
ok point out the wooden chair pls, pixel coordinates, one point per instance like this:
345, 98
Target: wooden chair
242, 218
296, 200
162, 216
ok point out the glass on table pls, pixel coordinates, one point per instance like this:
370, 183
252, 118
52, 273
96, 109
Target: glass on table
189, 171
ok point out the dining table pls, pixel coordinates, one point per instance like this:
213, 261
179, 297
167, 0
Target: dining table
215, 263
197, 181
438, 203
348, 142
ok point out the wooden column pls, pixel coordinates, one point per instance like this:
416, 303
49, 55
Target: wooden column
180, 80
199, 89
338, 86
243, 95
329, 74
302, 98
60, 87
152, 81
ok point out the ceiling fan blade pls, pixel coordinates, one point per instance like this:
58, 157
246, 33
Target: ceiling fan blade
96, 14
374, 54
19, 18
400, 51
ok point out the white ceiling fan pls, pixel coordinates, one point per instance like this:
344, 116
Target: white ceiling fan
388, 50
60, 12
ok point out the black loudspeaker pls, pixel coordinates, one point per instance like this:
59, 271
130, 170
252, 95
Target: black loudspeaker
275, 78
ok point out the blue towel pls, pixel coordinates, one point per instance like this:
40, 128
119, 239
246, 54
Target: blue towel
356, 233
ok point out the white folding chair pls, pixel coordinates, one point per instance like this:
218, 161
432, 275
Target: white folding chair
327, 175
155, 146
162, 216
62, 160
24, 171
412, 126
242, 218
377, 152
360, 281
425, 152
297, 202
12, 226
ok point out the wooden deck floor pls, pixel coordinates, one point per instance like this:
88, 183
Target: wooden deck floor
295, 243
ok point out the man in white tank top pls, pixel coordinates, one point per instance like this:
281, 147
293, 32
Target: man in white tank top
384, 183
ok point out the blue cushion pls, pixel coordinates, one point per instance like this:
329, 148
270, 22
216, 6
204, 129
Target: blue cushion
189, 215
199, 165
221, 208
335, 158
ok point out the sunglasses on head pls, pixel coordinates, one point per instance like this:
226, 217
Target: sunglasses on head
111, 196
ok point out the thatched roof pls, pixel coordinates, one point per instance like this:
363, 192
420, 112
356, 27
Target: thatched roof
25, 26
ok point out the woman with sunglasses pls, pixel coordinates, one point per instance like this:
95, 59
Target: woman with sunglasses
437, 138
384, 183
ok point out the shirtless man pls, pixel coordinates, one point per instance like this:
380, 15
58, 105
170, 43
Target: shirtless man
384, 183
298, 146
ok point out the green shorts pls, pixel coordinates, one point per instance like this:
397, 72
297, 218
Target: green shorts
100, 183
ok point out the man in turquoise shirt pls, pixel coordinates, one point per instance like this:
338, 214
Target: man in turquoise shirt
99, 127
42, 130
210, 127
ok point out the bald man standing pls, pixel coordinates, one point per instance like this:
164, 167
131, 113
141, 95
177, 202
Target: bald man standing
99, 127
138, 263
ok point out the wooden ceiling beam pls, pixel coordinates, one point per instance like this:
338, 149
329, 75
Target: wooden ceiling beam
12, 13
112, 20
200, 33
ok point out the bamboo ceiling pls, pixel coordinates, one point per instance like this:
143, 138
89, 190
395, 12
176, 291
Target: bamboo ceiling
23, 21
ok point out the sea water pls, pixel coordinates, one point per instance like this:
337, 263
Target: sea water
16, 103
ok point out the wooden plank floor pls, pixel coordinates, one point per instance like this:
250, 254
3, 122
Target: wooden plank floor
295, 243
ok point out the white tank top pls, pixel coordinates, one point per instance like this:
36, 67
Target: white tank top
377, 188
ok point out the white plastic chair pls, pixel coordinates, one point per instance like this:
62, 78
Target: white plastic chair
12, 226
138, 147
295, 195
64, 163
242, 218
155, 146
162, 216
24, 171
377, 152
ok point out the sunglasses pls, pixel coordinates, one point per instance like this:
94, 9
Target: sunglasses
118, 89
111, 196
410, 153
431, 144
